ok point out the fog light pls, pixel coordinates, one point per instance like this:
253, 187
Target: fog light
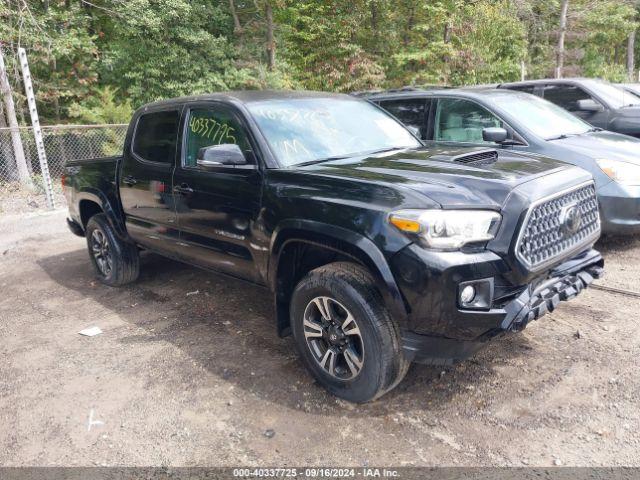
467, 294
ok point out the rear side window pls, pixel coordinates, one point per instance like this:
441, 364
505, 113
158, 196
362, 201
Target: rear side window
409, 112
156, 136
565, 96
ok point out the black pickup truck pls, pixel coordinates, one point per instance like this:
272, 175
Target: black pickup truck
378, 251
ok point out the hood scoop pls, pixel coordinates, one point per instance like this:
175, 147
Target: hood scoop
483, 157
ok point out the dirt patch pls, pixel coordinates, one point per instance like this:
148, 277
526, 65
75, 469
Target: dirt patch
182, 379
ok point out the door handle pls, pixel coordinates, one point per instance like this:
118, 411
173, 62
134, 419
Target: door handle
183, 189
129, 180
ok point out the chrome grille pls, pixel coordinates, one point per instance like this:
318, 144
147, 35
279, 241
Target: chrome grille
552, 229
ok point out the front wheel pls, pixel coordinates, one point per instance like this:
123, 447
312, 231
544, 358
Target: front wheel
344, 333
115, 262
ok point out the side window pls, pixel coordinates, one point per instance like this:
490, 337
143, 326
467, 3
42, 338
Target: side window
459, 120
409, 112
566, 96
212, 126
156, 136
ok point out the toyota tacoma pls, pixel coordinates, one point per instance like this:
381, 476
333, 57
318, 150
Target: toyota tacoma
378, 250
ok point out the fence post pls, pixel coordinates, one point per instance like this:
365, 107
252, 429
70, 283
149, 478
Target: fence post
37, 131
18, 150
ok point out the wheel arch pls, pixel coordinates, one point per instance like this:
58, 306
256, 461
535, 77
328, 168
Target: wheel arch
91, 202
294, 235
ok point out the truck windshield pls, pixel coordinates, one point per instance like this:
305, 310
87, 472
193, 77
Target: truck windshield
306, 130
543, 118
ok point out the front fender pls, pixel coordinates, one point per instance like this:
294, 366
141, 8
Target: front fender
360, 247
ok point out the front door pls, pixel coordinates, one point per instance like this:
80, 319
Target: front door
567, 96
217, 206
146, 178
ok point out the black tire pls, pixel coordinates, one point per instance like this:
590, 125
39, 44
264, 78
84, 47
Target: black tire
350, 289
117, 262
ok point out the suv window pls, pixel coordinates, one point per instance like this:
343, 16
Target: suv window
212, 126
566, 96
410, 112
156, 136
459, 120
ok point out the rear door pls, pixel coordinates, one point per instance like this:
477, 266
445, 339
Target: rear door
146, 180
217, 207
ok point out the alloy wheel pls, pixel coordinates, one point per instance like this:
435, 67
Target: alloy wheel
333, 337
101, 252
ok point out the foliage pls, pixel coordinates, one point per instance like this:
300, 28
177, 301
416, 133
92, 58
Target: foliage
102, 108
95, 61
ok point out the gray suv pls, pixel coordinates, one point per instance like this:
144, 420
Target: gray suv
518, 121
600, 103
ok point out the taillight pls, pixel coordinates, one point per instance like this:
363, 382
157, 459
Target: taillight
63, 180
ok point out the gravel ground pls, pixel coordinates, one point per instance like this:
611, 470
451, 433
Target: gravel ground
189, 371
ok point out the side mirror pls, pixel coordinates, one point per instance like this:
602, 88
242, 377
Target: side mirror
494, 134
589, 105
223, 154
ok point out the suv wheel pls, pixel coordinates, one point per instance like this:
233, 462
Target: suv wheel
344, 332
116, 262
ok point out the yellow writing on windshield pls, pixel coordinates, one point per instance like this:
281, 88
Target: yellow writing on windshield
212, 129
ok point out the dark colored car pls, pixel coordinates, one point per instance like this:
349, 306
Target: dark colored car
522, 122
602, 104
378, 251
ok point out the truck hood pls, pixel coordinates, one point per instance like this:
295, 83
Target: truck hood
608, 145
435, 173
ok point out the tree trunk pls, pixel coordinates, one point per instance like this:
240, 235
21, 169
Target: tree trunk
18, 150
409, 26
373, 6
5, 151
563, 30
237, 28
631, 64
271, 43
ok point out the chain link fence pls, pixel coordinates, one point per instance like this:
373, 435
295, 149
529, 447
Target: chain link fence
62, 143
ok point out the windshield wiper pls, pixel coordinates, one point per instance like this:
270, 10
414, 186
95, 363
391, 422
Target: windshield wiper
342, 157
557, 137
321, 160
390, 149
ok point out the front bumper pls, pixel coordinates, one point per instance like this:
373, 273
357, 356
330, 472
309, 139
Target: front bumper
440, 332
619, 208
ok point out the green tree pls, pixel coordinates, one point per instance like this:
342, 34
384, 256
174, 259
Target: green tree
61, 50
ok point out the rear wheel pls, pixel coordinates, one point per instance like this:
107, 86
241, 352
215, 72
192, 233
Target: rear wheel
116, 262
344, 333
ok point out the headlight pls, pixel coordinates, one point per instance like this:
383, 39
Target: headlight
625, 173
447, 229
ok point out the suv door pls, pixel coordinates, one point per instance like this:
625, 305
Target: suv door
567, 96
145, 180
460, 121
217, 206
